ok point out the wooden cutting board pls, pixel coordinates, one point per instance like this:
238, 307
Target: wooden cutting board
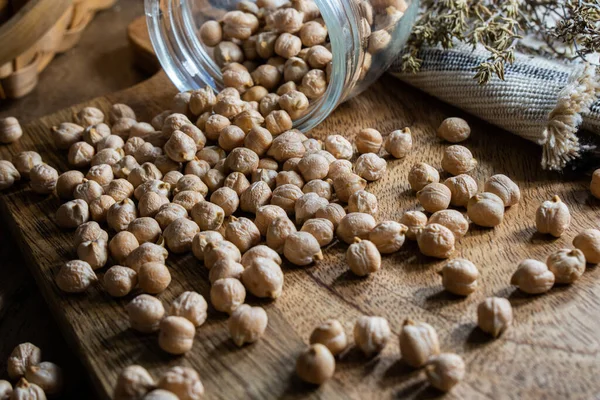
552, 351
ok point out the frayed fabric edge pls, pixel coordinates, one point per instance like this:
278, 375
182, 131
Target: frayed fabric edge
562, 144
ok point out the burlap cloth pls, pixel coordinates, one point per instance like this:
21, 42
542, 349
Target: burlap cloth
541, 100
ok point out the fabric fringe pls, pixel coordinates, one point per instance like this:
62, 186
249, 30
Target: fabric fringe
562, 144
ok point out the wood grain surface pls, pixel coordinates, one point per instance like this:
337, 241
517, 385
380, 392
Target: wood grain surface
550, 352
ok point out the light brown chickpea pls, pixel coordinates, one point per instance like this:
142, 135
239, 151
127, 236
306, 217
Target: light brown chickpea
307, 206
266, 175
146, 252
595, 184
434, 197
152, 186
462, 188
267, 76
247, 324
494, 315
322, 188
363, 202
88, 191
118, 111
239, 25
89, 231
268, 104
315, 365
388, 236
43, 178
368, 141
258, 140
266, 214
188, 199
421, 175
180, 147
454, 130
399, 143
287, 87
339, 168
218, 250
355, 225
225, 268
119, 281
459, 276
278, 232
256, 195
226, 52
418, 342
371, 334
202, 239
107, 156
169, 213
211, 33
99, 208
122, 128
313, 33
256, 93
240, 79
132, 144
588, 241
314, 84
183, 382
379, 40
25, 161
301, 248
227, 294
260, 251
237, 181
21, 358
66, 134
89, 116
363, 257
95, 253
347, 184
80, 154
285, 196
153, 277
436, 240
503, 187
486, 209
286, 20
179, 234
332, 212
278, 121
145, 172
231, 137
191, 182
212, 155
285, 146
172, 177
265, 44
242, 160
339, 146
243, 233
134, 381
295, 103
263, 278
567, 265
121, 245
318, 57
314, 146
330, 334
553, 217
533, 277
176, 335
313, 166
445, 371
458, 160
451, 219
294, 70
123, 167
144, 230
75, 276
119, 189
121, 214
72, 214
10, 130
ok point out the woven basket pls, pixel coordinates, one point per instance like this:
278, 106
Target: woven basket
34, 34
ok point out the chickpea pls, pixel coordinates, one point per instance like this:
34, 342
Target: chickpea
434, 197
436, 240
132, 144
133, 382
368, 141
363, 202
238, 79
145, 253
89, 116
567, 265
176, 335
418, 342
256, 195
399, 143
553, 217
459, 276
179, 234
191, 182
229, 107
89, 231
119, 281
445, 371
320, 187
243, 233
286, 20
288, 86
121, 214
119, 189
121, 245
242, 160
422, 175
225, 268
88, 191
268, 176
588, 242
332, 212
289, 177
22, 357
458, 160
314, 84
237, 181
211, 33
227, 52
452, 220
202, 239
160, 394
494, 315
263, 278
313, 33
95, 253
313, 166
265, 44
533, 277
180, 147
107, 156
145, 313
227, 294
25, 390
260, 251
46, 375
183, 382
371, 334
188, 199
25, 161
278, 232
266, 76
99, 208
486, 209
322, 229
72, 214
316, 364
265, 215
286, 146
215, 251
80, 154
462, 188
145, 172
379, 40
388, 236
595, 184
247, 324
286, 196
307, 206
503, 187
295, 103
75, 276
43, 178
339, 146
172, 177
294, 69
123, 167
331, 335
348, 184
118, 111
301, 248
339, 168
355, 225
268, 104
10, 130
454, 130
256, 93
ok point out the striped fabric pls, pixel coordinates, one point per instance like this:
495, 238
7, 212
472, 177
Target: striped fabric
541, 100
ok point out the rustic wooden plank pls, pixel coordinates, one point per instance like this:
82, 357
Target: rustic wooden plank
551, 351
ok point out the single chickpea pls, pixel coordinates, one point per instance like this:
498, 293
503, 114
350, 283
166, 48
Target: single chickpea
363, 202
322, 188
265, 44
339, 146
452, 220
314, 146
370, 166
371, 334
25, 390
121, 214
132, 145
315, 365
445, 371
196, 167
158, 120
285, 196
399, 143
494, 315
313, 33
322, 229
288, 86
227, 52
595, 184
278, 232
459, 276
111, 142
287, 45
503, 187
10, 130
313, 166
347, 184
588, 242
122, 128
418, 342
421, 175
256, 93
160, 394
242, 160
355, 225
211, 154
145, 172
318, 57
146, 252
314, 84
215, 251
202, 239
533, 277
307, 206
80, 154
339, 168
6, 389
266, 76
231, 137
191, 182
94, 253
211, 33
268, 104
286, 20
183, 382
118, 111
191, 306
153, 277
436, 240
88, 191
379, 40
107, 156
263, 278
286, 146
388, 236
66, 134
188, 199
243, 233
180, 147
227, 294
247, 324
238, 79
72, 214
268, 176
289, 177
89, 116
295, 103
89, 231
301, 248
260, 251
363, 258
119, 189
47, 375
553, 217
176, 335
75, 276
458, 160
123, 167
121, 245
462, 188
134, 381
179, 234
266, 214
258, 194
368, 140
169, 213
227, 199
225, 268
294, 70
237, 181
119, 281
332, 212
172, 177
145, 313
99, 208
567, 265
258, 140
486, 209
22, 357
454, 130
43, 178
25, 161
208, 216
330, 334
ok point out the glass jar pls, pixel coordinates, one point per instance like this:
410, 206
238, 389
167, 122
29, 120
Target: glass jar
365, 37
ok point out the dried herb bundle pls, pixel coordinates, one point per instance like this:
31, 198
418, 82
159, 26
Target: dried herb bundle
568, 29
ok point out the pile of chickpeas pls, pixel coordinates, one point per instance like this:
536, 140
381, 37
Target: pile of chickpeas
36, 378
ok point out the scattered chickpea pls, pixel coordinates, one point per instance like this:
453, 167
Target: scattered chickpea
89, 231
25, 161
191, 306
94, 253
503, 187
215, 251
146, 252
322, 229
191, 182
123, 167
588, 242
533, 277
43, 178
247, 324
330, 334
454, 130
332, 212
567, 265
418, 343
169, 213
88, 191
260, 251
243, 233
256, 195
121, 214
452, 220
347, 184
107, 156
237, 181
179, 234
227, 294
553, 217
145, 313
225, 268
368, 141
188, 199
301, 248
89, 116
307, 206
459, 276
421, 175
339, 146
370, 166
47, 375
371, 334
462, 188
10, 130
388, 236
66, 134
176, 335
26, 390
119, 281
316, 364
67, 182
183, 382
458, 160
22, 357
207, 215
278, 232
494, 315
285, 146
355, 225
201, 240
399, 143
285, 196
363, 257
145, 172
436, 240
486, 209
445, 371
133, 382
263, 278
265, 215
121, 245
75, 276
72, 214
